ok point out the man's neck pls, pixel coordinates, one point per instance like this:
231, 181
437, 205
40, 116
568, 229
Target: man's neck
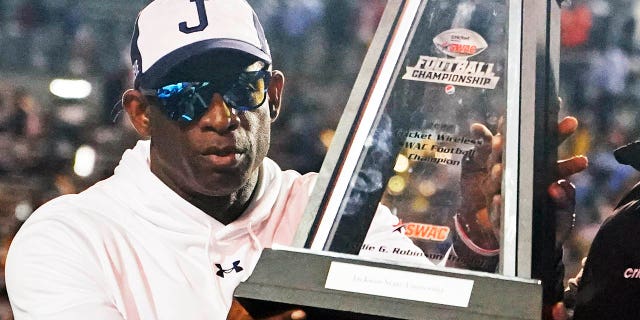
225, 209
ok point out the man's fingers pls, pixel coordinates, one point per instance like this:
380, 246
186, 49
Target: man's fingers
559, 312
298, 315
493, 184
479, 130
238, 312
290, 315
575, 164
482, 152
563, 195
566, 127
501, 125
495, 215
495, 156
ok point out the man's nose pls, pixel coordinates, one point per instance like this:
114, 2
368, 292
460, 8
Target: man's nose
219, 116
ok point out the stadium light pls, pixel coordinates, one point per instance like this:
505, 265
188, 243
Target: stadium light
70, 89
85, 161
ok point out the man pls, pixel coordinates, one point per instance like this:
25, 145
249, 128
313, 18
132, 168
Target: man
608, 286
185, 216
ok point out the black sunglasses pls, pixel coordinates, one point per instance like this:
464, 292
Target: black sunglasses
188, 101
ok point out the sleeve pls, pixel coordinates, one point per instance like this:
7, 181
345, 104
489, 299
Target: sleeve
556, 288
553, 292
586, 297
52, 274
386, 241
609, 287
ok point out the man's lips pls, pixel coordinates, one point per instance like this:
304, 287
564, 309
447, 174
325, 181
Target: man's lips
225, 157
221, 151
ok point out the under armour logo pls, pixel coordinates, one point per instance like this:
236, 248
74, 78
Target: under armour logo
236, 267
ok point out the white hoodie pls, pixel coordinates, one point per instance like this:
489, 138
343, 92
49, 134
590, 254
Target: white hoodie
129, 247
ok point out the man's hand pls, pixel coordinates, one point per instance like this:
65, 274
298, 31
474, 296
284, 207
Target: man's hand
238, 312
562, 193
481, 181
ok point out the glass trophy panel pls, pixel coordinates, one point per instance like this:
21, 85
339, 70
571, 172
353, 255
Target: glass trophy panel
419, 148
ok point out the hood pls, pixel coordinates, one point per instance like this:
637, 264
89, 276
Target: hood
157, 204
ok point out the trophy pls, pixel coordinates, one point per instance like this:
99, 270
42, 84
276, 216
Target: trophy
405, 147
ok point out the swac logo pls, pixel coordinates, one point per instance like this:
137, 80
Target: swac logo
460, 43
426, 231
399, 227
236, 267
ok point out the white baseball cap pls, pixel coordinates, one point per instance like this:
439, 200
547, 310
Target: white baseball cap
169, 32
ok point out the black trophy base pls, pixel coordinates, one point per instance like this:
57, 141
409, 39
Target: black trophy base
260, 309
287, 280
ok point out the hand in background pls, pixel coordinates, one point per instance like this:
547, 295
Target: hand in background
562, 192
478, 218
476, 225
562, 195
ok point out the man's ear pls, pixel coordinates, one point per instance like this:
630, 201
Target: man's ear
137, 108
276, 85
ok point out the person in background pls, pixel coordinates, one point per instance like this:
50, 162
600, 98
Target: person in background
24, 119
608, 286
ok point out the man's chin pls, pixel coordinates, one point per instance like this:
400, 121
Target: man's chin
222, 188
219, 182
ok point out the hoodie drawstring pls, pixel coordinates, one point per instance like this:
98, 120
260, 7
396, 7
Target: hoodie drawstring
255, 242
207, 247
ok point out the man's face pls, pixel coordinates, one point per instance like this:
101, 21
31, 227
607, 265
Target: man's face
216, 154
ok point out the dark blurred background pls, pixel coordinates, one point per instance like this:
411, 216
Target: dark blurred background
64, 65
